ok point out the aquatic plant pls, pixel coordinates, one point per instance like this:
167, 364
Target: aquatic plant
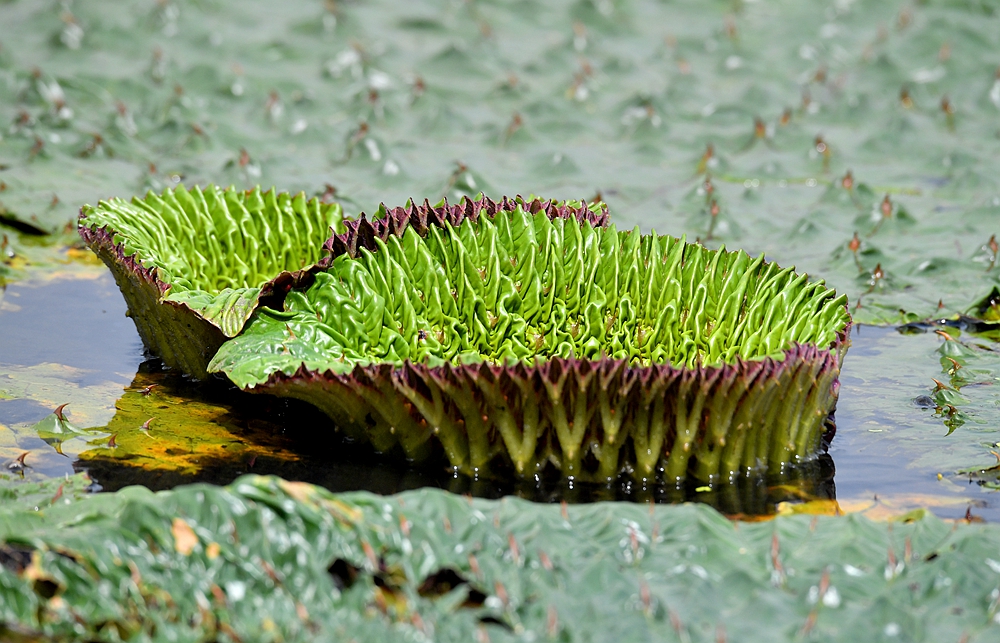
361, 233
263, 556
193, 264
527, 340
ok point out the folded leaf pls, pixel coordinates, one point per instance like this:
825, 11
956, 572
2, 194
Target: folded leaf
193, 264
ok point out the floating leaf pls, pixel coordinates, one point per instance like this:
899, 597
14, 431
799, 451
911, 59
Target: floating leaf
193, 264
55, 429
314, 565
531, 339
48, 385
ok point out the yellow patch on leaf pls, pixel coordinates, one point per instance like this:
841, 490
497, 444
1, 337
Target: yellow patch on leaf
311, 495
301, 491
184, 537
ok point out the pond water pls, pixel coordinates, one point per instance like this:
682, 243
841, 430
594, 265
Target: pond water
68, 341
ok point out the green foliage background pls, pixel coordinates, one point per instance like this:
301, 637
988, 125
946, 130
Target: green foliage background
565, 99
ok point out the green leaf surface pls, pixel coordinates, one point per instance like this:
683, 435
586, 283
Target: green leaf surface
229, 309
212, 239
213, 249
265, 559
23, 497
520, 287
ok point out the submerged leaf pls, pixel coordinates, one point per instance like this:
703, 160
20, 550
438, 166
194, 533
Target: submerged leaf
173, 433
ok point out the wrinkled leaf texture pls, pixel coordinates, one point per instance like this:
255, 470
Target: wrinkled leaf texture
214, 249
264, 559
524, 287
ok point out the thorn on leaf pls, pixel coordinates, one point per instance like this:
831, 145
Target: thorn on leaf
18, 464
886, 207
905, 99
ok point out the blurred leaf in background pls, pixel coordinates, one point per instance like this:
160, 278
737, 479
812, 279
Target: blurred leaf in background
855, 140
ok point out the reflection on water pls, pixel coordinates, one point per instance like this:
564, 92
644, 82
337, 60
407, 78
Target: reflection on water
160, 429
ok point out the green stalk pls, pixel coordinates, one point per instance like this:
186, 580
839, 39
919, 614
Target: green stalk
655, 435
819, 400
782, 448
610, 447
688, 417
519, 449
475, 425
808, 379
640, 441
741, 441
722, 405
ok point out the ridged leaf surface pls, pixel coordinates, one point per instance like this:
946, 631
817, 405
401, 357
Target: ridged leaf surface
524, 287
523, 341
213, 249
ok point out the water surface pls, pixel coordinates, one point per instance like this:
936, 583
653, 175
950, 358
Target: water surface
70, 341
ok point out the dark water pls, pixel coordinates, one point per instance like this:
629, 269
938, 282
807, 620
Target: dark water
886, 450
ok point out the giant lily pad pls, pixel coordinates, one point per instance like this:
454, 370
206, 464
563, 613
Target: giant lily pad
193, 264
269, 560
525, 340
